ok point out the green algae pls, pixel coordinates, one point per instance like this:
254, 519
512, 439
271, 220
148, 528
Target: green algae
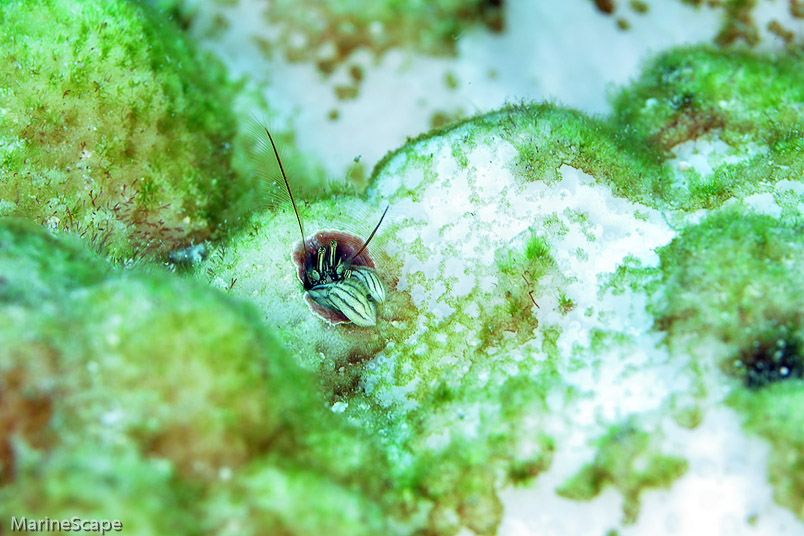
743, 97
430, 27
547, 136
737, 277
627, 459
139, 381
629, 275
91, 482
284, 498
538, 270
123, 137
494, 439
687, 91
774, 413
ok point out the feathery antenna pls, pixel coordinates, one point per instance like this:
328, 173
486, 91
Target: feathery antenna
287, 185
359, 251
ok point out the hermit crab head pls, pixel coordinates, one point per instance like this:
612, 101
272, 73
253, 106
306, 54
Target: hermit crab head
340, 278
336, 271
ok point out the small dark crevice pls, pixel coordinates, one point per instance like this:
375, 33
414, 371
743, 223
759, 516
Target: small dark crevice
772, 359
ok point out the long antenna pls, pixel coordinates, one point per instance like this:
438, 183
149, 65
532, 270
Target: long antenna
287, 185
359, 251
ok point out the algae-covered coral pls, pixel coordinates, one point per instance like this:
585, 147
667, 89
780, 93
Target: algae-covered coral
628, 460
345, 26
774, 414
749, 101
151, 399
501, 222
526, 257
113, 127
736, 278
470, 352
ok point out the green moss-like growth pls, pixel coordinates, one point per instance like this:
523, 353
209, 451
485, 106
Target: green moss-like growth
113, 127
89, 481
281, 497
738, 277
627, 459
738, 23
536, 270
471, 442
743, 97
159, 400
687, 91
629, 275
775, 414
547, 136
428, 26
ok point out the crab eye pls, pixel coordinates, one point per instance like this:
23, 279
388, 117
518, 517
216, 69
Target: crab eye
321, 253
333, 247
313, 276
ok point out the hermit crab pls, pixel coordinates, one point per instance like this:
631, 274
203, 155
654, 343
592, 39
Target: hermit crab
336, 271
